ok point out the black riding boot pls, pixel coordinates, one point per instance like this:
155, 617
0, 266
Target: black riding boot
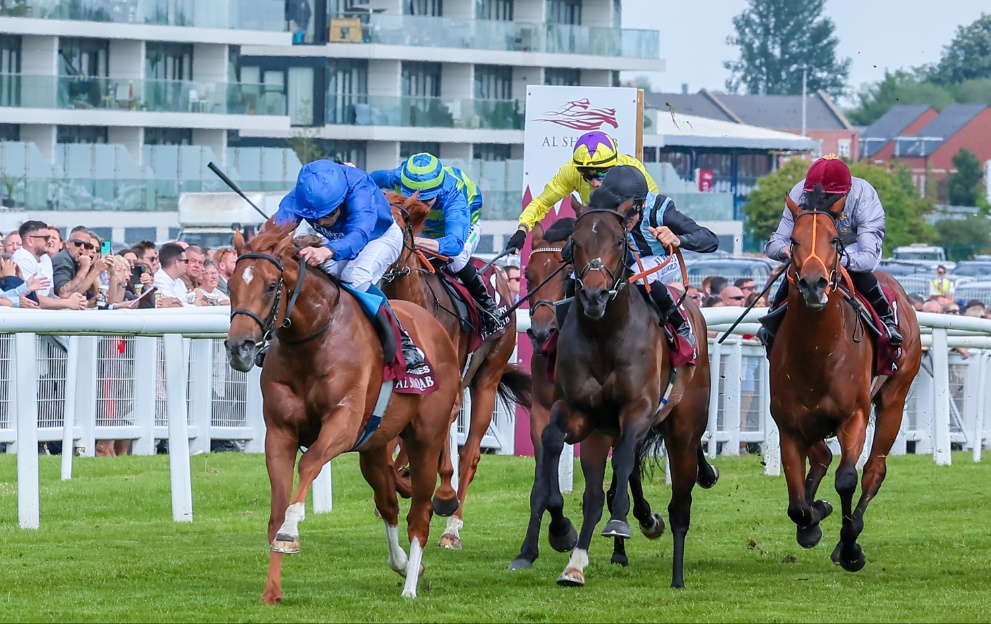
771, 321
866, 283
492, 319
411, 353
662, 298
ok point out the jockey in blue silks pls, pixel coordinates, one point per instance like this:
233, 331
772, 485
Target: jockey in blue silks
452, 226
343, 204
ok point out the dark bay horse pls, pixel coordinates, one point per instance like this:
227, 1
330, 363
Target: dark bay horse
320, 382
487, 372
821, 366
545, 278
613, 381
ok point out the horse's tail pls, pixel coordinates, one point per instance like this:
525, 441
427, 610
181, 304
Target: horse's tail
516, 386
650, 454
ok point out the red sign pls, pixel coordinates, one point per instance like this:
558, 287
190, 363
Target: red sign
706, 177
580, 115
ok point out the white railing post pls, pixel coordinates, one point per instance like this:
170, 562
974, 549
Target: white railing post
982, 403
144, 395
715, 354
732, 389
254, 416
772, 438
941, 399
25, 385
175, 391
86, 375
323, 491
69, 420
201, 393
924, 411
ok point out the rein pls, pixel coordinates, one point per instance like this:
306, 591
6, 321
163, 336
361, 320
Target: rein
532, 291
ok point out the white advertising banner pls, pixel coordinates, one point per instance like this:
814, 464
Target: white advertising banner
556, 116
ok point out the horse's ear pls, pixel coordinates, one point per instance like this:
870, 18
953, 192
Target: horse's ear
285, 245
238, 241
577, 205
537, 234
795, 209
837, 207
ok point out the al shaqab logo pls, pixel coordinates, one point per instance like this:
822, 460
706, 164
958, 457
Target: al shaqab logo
579, 115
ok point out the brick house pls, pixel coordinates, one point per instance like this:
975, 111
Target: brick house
877, 141
823, 119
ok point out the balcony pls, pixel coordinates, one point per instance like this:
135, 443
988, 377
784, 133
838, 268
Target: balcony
259, 15
424, 112
440, 32
164, 96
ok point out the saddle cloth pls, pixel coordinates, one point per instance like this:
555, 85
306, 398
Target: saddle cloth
465, 307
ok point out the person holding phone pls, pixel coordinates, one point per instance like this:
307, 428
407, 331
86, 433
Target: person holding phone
77, 269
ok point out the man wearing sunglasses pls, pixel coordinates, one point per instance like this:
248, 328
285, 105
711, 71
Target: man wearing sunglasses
594, 155
75, 269
33, 259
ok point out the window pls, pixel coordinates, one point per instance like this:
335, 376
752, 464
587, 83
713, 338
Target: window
168, 61
347, 88
843, 148
10, 54
168, 136
434, 8
80, 56
564, 12
299, 92
348, 151
421, 79
562, 76
681, 161
498, 10
493, 82
300, 80
81, 134
408, 148
10, 132
492, 151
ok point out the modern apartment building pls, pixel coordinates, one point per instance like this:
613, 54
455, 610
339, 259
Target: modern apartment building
118, 105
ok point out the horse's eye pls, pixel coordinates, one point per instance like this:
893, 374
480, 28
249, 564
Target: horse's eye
272, 287
621, 242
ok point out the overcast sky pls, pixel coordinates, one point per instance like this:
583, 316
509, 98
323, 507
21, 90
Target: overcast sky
876, 34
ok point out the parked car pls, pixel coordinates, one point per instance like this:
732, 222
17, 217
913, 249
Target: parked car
976, 289
903, 267
757, 269
975, 269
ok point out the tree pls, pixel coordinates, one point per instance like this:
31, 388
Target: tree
900, 87
964, 185
968, 56
963, 238
639, 81
777, 39
903, 206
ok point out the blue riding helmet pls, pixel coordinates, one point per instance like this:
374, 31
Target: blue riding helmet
424, 173
321, 188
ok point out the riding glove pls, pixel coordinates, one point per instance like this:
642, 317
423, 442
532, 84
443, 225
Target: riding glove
516, 242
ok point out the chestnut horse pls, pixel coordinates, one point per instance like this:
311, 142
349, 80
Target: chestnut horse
487, 372
821, 382
614, 381
546, 262
320, 382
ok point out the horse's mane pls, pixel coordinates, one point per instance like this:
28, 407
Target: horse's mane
416, 209
603, 199
819, 199
269, 237
561, 230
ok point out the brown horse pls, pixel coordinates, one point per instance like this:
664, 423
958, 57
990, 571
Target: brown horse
487, 372
614, 380
320, 399
543, 266
821, 382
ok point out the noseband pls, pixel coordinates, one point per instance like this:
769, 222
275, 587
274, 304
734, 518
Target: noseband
267, 326
834, 273
544, 302
614, 275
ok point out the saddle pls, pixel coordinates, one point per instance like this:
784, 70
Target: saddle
465, 307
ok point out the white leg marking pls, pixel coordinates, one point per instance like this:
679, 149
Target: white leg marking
454, 525
413, 568
579, 559
397, 556
295, 514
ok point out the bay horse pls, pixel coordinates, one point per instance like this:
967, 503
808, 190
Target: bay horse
487, 372
321, 379
821, 381
613, 380
544, 292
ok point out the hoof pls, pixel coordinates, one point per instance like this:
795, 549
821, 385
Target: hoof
854, 565
285, 544
566, 542
446, 508
835, 556
521, 564
617, 528
571, 577
715, 479
809, 537
450, 542
656, 529
271, 599
823, 508
620, 559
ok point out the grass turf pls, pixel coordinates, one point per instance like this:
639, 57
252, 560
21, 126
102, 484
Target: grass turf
107, 550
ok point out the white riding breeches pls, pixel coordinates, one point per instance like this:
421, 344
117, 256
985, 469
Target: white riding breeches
670, 273
371, 263
460, 261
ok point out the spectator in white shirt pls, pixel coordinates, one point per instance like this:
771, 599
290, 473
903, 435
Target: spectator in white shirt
168, 279
33, 259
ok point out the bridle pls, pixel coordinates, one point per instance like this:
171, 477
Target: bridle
544, 302
268, 325
834, 273
396, 271
616, 275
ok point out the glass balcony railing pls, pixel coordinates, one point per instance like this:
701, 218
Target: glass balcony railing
167, 96
265, 15
424, 112
441, 32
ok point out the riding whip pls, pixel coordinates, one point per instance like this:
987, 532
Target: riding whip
770, 283
234, 187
